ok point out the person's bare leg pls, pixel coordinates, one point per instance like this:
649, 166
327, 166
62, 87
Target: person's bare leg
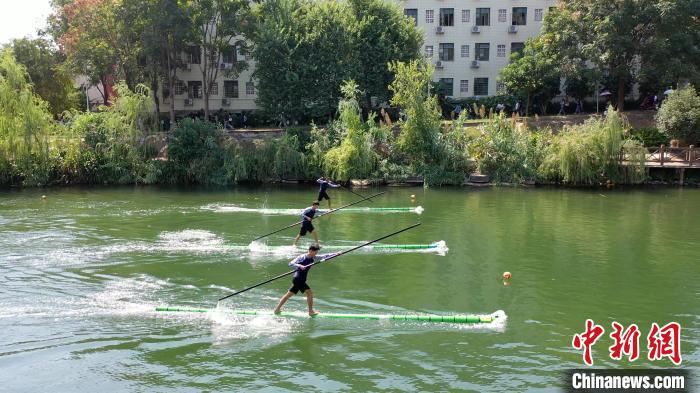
329, 204
313, 233
283, 300
296, 239
310, 302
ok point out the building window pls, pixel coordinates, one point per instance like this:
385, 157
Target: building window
538, 14
481, 86
194, 55
483, 16
466, 16
230, 89
500, 88
214, 91
465, 51
429, 16
502, 15
447, 84
250, 88
501, 51
428, 51
447, 52
447, 16
194, 89
482, 53
412, 13
464, 86
180, 87
517, 47
519, 16
229, 55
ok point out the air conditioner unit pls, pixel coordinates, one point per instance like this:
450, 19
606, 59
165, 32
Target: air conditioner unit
188, 66
439, 30
512, 29
228, 66
476, 64
438, 65
476, 29
225, 102
188, 102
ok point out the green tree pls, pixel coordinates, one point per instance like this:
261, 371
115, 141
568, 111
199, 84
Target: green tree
305, 49
530, 71
420, 128
25, 124
99, 41
303, 52
217, 29
48, 73
384, 35
626, 39
354, 158
679, 116
166, 31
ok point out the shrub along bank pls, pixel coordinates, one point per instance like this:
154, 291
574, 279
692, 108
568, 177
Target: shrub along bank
115, 145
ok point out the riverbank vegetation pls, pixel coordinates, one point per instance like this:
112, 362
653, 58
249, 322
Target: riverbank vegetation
120, 144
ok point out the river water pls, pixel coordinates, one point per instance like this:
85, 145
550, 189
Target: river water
83, 269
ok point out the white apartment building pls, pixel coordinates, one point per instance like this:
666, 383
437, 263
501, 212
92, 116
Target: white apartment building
468, 42
228, 94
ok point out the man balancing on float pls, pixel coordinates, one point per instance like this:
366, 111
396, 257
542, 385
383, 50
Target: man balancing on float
306, 226
301, 263
324, 184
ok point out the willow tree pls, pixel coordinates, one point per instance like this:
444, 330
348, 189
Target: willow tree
25, 123
422, 116
593, 152
354, 157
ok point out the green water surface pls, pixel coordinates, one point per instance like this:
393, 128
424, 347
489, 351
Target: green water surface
82, 271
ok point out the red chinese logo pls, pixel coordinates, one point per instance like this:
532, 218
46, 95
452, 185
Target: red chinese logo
626, 343
665, 342
586, 340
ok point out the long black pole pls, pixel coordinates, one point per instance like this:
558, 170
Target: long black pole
321, 215
316, 263
353, 192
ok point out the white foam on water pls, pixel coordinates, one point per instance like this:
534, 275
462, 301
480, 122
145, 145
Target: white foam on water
262, 248
228, 208
123, 296
202, 242
441, 248
227, 289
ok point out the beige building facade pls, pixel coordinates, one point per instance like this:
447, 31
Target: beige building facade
467, 41
470, 41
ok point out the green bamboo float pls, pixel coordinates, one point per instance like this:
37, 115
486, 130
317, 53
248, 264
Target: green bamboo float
417, 209
468, 319
403, 246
